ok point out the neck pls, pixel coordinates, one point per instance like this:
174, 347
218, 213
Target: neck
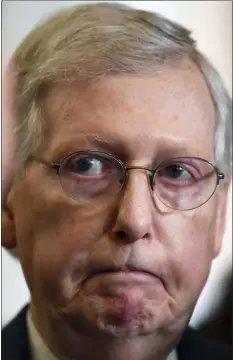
68, 344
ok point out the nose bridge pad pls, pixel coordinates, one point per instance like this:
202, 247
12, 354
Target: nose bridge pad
149, 173
152, 180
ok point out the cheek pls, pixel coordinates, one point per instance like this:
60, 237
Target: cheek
191, 252
55, 238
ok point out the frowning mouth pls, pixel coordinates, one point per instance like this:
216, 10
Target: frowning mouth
125, 275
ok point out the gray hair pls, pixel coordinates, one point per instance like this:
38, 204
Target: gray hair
87, 42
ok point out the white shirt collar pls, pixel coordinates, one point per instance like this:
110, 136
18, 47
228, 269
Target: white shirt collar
40, 351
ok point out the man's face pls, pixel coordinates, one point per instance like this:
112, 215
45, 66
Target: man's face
63, 243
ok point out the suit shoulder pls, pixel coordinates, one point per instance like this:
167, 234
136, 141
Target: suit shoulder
15, 343
194, 345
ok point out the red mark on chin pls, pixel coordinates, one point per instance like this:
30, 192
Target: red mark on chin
125, 308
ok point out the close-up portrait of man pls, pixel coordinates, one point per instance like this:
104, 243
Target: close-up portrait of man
117, 145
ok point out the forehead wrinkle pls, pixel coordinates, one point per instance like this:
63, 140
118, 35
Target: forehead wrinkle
119, 110
99, 138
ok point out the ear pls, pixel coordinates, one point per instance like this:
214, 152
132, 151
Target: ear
8, 229
221, 214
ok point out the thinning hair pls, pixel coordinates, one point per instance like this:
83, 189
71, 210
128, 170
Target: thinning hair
87, 42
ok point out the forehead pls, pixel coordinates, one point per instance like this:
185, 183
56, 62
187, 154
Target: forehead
170, 109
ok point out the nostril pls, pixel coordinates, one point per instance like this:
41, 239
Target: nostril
121, 235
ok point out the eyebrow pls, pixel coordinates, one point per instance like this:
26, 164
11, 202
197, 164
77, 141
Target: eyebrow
71, 144
165, 149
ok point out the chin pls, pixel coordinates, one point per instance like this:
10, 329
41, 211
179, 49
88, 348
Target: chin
116, 317
119, 307
127, 329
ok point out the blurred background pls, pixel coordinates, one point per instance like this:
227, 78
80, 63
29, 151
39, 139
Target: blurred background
211, 25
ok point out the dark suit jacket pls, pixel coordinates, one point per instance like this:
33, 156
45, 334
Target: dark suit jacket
193, 346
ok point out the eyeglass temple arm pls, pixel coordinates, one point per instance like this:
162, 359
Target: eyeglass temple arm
220, 175
53, 165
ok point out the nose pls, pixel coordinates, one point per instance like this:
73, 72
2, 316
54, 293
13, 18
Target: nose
134, 217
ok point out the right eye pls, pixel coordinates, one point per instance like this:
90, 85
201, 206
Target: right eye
85, 165
88, 166
91, 166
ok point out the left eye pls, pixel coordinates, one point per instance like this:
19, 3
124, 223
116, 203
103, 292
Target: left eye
175, 172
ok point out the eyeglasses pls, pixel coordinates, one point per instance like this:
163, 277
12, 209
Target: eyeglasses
182, 183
